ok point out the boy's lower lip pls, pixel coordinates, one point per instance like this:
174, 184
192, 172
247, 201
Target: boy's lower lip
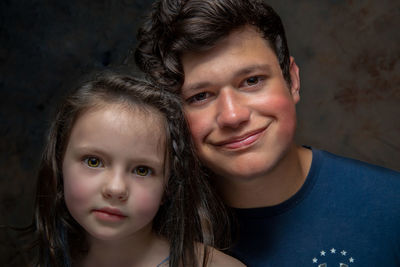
105, 216
244, 142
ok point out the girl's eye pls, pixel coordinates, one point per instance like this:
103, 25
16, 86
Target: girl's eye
142, 171
93, 162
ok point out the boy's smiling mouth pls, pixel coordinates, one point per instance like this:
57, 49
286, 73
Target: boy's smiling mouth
242, 141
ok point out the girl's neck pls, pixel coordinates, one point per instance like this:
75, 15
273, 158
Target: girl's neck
145, 250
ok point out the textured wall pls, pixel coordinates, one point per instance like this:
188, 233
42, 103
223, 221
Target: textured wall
348, 53
44, 45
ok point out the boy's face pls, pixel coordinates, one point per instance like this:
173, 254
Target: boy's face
240, 110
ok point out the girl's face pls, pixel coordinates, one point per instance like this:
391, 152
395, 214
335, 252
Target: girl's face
113, 171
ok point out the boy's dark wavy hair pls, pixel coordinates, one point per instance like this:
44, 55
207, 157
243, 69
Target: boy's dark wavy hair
191, 211
178, 26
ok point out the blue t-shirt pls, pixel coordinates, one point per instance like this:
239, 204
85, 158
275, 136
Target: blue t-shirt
347, 213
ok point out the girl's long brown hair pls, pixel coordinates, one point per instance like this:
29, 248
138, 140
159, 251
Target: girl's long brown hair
191, 212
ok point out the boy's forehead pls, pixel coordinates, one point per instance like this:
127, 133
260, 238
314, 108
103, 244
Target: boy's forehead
240, 32
243, 35
235, 35
242, 51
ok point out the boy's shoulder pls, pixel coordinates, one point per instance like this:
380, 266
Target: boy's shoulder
356, 179
344, 166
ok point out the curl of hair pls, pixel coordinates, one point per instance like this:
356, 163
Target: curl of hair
178, 26
191, 211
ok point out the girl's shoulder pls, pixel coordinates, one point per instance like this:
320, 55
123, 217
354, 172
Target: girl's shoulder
220, 259
216, 258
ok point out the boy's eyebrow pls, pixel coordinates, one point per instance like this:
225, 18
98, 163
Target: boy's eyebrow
241, 72
197, 86
253, 68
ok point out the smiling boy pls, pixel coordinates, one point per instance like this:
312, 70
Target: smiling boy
242, 119
296, 206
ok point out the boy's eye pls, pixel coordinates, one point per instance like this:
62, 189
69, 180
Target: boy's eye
93, 162
252, 81
142, 171
198, 97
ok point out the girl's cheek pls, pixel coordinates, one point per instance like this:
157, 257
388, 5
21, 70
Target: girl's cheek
77, 186
148, 200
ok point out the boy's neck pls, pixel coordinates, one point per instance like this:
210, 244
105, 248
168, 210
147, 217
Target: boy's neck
271, 189
142, 251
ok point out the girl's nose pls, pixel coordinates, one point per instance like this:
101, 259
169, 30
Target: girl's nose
232, 110
115, 188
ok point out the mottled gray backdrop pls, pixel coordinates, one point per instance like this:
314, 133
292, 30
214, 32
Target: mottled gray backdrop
348, 53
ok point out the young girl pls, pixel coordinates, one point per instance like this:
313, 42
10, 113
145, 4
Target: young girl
119, 184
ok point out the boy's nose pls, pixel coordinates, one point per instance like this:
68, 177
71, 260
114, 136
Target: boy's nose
232, 111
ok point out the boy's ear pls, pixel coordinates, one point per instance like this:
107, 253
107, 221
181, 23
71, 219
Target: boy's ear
295, 79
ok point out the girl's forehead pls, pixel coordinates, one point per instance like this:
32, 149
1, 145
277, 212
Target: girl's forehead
110, 122
144, 111
127, 118
139, 118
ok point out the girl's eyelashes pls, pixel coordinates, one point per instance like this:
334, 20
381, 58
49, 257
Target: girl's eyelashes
142, 171
93, 162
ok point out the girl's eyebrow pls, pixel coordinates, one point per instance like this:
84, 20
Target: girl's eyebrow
87, 149
240, 72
